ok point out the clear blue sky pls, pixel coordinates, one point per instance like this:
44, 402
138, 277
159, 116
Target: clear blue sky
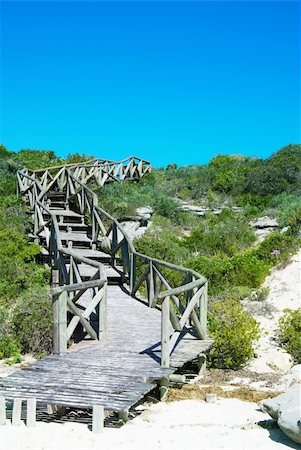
168, 81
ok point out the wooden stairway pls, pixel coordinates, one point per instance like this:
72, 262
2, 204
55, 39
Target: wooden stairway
131, 343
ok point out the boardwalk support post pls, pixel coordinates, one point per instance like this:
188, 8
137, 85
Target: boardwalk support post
164, 385
124, 415
202, 358
2, 411
98, 419
17, 408
31, 412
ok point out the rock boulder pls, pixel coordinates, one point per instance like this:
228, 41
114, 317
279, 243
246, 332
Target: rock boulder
286, 409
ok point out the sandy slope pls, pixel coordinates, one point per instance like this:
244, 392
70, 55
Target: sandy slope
285, 292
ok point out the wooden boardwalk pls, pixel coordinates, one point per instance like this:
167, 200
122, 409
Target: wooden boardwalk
131, 343
116, 372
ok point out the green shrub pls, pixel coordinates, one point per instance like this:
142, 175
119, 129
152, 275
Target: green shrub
248, 269
9, 347
277, 248
215, 268
289, 208
32, 320
164, 247
13, 360
234, 333
289, 333
243, 269
227, 233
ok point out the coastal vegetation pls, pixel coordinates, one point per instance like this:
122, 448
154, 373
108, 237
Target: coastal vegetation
221, 247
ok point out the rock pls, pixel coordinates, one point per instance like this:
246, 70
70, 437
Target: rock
262, 233
134, 228
264, 222
145, 212
286, 410
200, 210
291, 379
284, 229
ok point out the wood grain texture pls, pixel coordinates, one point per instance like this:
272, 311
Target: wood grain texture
113, 372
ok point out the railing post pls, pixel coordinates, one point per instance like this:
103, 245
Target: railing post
203, 303
55, 311
151, 290
132, 273
62, 323
114, 242
125, 257
165, 307
82, 201
102, 313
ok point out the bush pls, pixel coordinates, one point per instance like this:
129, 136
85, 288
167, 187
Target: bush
243, 269
289, 208
248, 269
164, 247
234, 333
9, 347
277, 248
227, 233
289, 333
32, 321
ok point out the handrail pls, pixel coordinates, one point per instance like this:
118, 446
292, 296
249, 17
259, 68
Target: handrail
103, 162
195, 287
131, 244
107, 231
64, 279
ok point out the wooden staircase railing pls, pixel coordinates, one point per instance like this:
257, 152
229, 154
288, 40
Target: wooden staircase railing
180, 293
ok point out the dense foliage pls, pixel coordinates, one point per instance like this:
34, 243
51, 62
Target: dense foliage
289, 333
234, 333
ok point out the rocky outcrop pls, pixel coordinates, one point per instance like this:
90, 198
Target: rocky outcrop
199, 210
264, 222
144, 212
286, 410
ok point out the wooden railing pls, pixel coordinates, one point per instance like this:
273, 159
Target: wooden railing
180, 293
187, 302
98, 171
68, 287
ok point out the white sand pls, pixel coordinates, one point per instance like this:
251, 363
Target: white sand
183, 425
189, 424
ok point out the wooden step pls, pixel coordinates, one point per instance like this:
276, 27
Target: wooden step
78, 226
56, 194
92, 254
74, 237
87, 271
65, 213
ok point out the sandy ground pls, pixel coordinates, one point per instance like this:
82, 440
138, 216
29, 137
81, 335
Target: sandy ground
229, 423
187, 424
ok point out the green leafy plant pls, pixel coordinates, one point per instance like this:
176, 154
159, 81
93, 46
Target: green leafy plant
289, 333
32, 320
234, 333
9, 347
